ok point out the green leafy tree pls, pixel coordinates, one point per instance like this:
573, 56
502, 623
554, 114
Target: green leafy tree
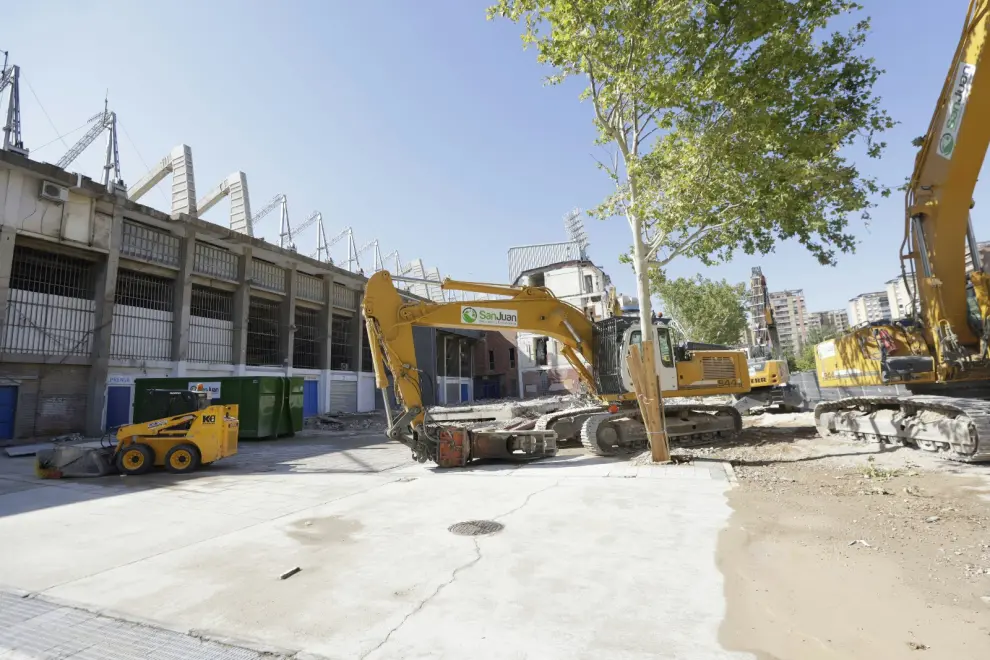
725, 123
805, 360
706, 310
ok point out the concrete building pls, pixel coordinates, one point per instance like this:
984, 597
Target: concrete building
898, 298
868, 307
791, 316
833, 320
496, 372
983, 247
564, 269
99, 290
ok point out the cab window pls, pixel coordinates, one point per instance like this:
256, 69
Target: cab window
663, 337
666, 354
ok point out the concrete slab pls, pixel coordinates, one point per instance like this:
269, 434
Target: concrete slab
597, 559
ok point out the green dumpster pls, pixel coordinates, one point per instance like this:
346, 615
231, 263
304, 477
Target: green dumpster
270, 406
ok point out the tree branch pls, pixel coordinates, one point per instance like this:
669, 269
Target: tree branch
686, 243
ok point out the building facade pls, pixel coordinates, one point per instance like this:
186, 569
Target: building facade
791, 317
898, 298
496, 372
831, 321
983, 247
869, 307
565, 269
99, 290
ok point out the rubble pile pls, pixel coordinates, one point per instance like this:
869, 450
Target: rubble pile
373, 421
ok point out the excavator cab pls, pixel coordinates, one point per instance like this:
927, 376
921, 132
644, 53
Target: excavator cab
663, 349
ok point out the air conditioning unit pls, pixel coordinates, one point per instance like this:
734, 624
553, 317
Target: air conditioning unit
54, 192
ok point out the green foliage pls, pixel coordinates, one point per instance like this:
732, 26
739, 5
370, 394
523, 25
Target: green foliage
707, 310
727, 120
805, 361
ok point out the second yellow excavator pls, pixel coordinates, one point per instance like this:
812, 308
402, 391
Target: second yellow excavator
941, 353
596, 349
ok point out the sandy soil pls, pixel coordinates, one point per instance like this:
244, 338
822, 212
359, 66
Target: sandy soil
849, 550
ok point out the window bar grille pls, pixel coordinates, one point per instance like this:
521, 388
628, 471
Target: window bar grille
142, 317
264, 333
51, 308
211, 327
306, 346
341, 344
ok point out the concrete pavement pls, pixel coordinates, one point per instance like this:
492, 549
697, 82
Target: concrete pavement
597, 558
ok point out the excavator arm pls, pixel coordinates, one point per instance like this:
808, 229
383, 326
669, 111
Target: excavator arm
939, 197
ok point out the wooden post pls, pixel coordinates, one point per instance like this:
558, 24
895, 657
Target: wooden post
650, 400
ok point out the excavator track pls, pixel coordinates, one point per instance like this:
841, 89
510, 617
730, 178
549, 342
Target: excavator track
956, 428
602, 431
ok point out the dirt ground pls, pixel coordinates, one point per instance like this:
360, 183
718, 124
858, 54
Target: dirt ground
849, 550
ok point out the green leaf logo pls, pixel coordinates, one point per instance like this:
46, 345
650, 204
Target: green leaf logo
947, 144
469, 315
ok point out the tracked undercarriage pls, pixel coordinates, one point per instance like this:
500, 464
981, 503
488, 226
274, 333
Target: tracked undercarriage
603, 433
956, 428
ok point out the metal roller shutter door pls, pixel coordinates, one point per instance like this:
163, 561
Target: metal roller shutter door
343, 396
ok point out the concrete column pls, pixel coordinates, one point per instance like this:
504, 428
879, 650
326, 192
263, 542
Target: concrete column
242, 305
181, 305
359, 329
325, 336
326, 321
7, 237
287, 330
106, 289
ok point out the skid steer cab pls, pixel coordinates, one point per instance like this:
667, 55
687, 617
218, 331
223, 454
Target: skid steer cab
190, 433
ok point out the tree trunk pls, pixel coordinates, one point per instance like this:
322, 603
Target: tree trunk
641, 267
652, 397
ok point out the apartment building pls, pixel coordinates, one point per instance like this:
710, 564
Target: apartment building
898, 298
833, 320
869, 307
791, 316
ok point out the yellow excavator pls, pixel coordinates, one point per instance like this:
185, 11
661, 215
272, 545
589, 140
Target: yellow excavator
768, 373
941, 353
596, 349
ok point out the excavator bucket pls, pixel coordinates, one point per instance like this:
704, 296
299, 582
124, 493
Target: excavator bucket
74, 461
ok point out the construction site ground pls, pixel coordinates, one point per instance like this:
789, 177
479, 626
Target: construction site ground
598, 558
820, 549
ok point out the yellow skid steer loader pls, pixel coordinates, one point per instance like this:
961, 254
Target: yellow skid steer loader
192, 434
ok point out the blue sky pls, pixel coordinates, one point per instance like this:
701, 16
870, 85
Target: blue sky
419, 124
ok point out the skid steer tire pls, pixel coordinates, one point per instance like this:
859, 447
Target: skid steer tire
182, 459
135, 459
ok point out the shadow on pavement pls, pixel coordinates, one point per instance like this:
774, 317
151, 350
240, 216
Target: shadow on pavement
21, 491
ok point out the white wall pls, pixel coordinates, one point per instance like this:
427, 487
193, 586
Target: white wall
526, 356
141, 332
366, 392
76, 221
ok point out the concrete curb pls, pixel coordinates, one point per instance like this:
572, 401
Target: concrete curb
730, 472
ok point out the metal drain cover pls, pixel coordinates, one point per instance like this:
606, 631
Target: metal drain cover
475, 527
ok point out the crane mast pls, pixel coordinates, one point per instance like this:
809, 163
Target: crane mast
101, 121
11, 77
